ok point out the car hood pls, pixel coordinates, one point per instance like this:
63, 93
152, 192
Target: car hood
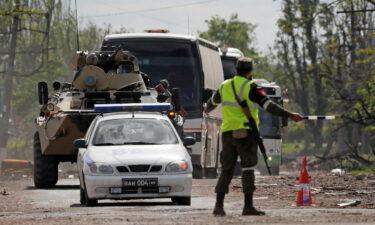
132, 155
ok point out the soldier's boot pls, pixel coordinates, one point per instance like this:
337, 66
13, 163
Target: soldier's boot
219, 206
248, 209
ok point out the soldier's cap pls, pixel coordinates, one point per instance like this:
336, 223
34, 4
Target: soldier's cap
165, 83
92, 59
244, 63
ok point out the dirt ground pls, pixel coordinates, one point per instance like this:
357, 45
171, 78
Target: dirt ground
21, 203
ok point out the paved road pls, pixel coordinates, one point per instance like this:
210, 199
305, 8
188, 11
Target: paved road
27, 205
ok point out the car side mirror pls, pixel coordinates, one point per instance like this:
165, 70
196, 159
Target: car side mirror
189, 141
80, 143
43, 93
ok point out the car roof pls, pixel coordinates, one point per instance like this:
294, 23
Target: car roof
125, 115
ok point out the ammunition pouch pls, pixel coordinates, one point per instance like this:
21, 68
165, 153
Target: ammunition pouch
240, 133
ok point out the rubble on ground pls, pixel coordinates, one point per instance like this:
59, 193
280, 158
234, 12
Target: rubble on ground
327, 189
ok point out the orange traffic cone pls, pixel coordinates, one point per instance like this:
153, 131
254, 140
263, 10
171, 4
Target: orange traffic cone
304, 194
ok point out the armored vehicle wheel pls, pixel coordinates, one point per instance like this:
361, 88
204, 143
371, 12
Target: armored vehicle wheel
182, 200
45, 167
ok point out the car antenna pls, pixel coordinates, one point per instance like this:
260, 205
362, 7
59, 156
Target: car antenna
101, 114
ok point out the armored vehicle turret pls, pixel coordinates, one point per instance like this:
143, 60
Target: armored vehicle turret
67, 111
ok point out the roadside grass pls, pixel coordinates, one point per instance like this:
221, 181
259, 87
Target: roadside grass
355, 167
364, 170
368, 171
292, 148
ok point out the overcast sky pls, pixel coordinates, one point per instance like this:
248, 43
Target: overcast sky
181, 16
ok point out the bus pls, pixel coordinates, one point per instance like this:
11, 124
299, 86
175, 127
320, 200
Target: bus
189, 63
229, 58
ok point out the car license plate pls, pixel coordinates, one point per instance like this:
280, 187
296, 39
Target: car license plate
140, 182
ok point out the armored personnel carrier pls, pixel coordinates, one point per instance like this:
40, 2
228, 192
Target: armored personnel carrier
67, 111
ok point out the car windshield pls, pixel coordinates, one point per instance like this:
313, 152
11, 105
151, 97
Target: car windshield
176, 61
131, 131
229, 67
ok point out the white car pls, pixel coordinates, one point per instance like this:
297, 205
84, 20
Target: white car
132, 155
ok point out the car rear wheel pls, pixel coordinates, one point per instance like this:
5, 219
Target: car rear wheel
182, 200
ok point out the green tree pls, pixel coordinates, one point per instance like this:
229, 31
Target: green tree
297, 53
327, 60
348, 65
43, 49
22, 23
231, 33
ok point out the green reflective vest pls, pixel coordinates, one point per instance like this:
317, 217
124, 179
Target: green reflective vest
233, 116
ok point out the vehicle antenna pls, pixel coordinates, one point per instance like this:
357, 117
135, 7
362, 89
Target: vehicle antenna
77, 32
188, 25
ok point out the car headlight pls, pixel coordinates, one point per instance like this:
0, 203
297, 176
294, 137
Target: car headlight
101, 168
178, 166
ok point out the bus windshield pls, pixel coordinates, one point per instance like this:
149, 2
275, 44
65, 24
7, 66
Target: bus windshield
176, 61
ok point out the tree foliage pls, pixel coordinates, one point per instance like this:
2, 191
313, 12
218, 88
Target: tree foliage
327, 61
231, 33
45, 43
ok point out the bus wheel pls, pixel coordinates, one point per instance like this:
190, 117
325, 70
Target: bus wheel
210, 173
275, 170
197, 172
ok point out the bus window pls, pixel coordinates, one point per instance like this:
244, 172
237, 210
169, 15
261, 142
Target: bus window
229, 67
269, 126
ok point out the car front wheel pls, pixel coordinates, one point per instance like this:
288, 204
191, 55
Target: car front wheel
82, 196
87, 201
90, 201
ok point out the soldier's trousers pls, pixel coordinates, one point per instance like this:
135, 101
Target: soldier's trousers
246, 148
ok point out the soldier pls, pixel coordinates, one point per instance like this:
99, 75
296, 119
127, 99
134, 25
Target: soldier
92, 59
164, 95
237, 137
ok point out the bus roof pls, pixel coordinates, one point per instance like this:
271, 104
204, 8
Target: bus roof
231, 52
161, 36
